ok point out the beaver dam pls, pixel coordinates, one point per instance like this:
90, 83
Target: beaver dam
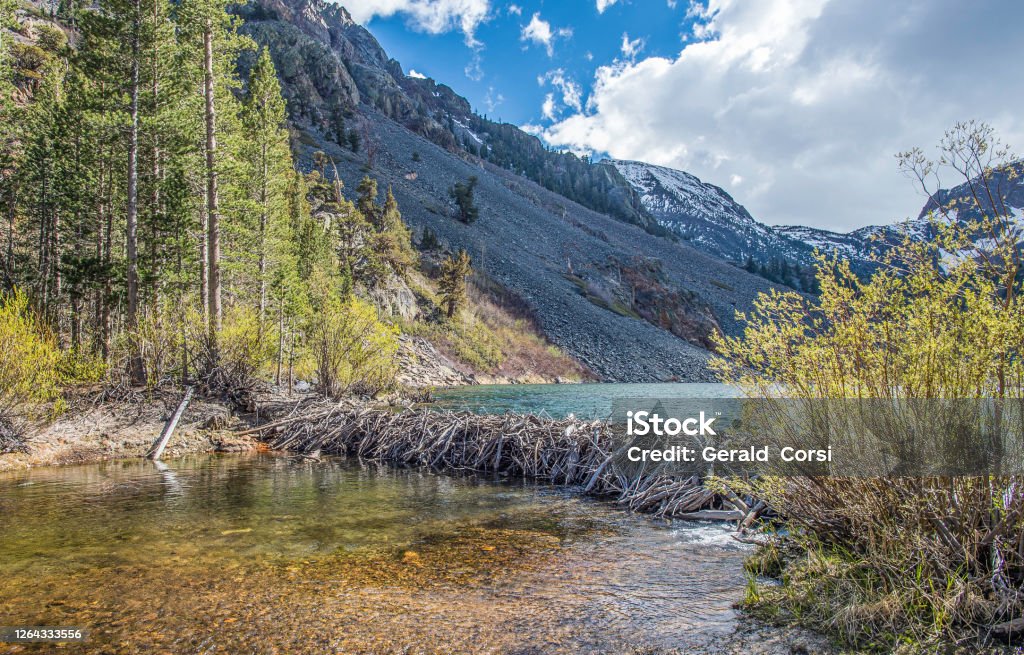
567, 451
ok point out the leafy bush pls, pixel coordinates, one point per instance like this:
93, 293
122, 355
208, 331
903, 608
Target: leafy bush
244, 349
476, 344
158, 340
51, 38
883, 561
81, 367
179, 337
29, 376
354, 352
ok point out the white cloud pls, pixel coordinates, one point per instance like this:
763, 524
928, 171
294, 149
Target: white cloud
548, 108
604, 4
515, 10
432, 16
539, 32
474, 70
800, 105
492, 100
415, 73
630, 49
572, 93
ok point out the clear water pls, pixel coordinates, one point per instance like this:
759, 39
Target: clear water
266, 554
587, 401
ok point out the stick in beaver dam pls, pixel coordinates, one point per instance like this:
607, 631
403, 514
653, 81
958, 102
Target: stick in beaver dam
559, 451
157, 449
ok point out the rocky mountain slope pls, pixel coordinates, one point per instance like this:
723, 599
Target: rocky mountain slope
963, 204
541, 246
707, 217
626, 303
331, 67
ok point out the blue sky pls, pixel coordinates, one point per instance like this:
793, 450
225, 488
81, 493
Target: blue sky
795, 107
507, 67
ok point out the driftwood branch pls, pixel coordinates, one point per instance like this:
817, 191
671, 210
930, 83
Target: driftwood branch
157, 449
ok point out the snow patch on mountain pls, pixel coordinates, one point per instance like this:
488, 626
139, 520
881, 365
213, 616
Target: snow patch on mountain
668, 193
706, 216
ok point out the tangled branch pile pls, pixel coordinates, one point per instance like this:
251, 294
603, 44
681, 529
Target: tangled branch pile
563, 451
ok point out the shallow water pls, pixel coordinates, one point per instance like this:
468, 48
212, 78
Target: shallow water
587, 401
265, 554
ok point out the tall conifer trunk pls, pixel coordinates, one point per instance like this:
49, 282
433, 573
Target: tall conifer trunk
264, 218
212, 217
136, 367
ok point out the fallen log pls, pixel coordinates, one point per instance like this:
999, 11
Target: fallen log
157, 449
752, 515
1011, 628
711, 515
284, 421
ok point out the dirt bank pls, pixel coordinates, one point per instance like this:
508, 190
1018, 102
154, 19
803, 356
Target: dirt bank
90, 431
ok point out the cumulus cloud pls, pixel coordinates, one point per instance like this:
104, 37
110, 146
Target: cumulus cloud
538, 31
604, 4
415, 73
799, 105
432, 16
515, 10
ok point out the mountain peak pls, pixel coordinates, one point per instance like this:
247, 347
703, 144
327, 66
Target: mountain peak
706, 215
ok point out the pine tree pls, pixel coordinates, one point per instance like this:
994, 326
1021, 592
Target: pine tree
216, 46
463, 196
454, 271
394, 240
9, 130
367, 201
338, 126
429, 240
269, 160
309, 241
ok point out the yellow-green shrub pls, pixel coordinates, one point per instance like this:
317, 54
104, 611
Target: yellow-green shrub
884, 560
476, 344
78, 366
29, 357
353, 350
157, 339
244, 348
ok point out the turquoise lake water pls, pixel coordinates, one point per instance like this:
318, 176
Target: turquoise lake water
587, 401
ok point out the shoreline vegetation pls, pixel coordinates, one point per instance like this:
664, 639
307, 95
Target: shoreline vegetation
903, 564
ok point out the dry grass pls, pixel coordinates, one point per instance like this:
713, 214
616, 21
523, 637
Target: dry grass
495, 334
909, 563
